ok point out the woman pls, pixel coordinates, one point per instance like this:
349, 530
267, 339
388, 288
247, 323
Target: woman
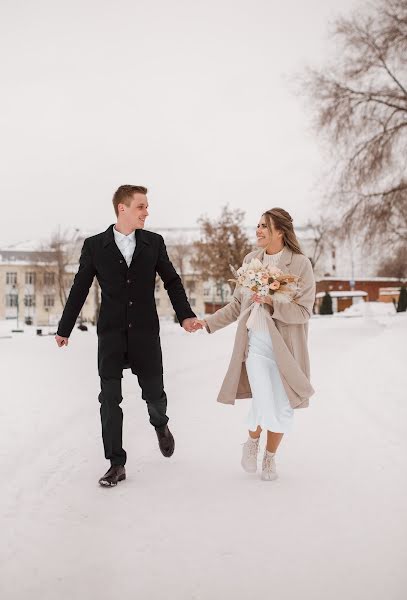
270, 361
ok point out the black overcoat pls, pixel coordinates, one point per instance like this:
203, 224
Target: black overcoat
128, 326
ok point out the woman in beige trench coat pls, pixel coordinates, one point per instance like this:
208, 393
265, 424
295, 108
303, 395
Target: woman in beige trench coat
270, 361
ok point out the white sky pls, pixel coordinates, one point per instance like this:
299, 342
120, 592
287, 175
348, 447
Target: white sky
192, 99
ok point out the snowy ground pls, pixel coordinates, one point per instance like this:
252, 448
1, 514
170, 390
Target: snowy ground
332, 527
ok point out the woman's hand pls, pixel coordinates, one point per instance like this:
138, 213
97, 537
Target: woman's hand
201, 323
263, 299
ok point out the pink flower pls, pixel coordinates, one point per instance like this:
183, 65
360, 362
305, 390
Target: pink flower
275, 285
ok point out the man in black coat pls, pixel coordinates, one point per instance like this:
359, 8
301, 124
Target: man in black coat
125, 259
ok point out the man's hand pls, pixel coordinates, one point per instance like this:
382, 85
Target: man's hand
61, 341
191, 325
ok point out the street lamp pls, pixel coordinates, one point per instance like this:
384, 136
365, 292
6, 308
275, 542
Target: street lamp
14, 287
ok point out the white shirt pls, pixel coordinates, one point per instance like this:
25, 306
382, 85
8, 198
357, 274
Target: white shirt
126, 244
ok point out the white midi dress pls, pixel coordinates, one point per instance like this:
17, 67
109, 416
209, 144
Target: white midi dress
270, 407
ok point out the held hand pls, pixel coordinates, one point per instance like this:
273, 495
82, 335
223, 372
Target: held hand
191, 325
262, 299
61, 341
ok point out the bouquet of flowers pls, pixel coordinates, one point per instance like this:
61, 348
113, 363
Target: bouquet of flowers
266, 279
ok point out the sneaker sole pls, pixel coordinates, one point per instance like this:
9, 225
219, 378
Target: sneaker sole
248, 470
272, 478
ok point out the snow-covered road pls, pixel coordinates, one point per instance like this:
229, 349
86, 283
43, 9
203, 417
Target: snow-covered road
196, 527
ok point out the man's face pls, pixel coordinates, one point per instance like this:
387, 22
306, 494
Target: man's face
136, 213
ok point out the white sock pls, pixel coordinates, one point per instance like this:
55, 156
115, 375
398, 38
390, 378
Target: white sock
254, 440
270, 453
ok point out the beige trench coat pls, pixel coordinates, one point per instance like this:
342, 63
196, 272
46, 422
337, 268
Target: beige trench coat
288, 328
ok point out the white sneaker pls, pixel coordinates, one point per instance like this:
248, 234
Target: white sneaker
249, 455
269, 466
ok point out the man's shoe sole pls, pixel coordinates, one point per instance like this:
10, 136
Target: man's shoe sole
104, 483
166, 454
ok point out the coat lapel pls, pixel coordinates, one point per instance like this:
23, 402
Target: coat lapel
110, 245
285, 259
141, 243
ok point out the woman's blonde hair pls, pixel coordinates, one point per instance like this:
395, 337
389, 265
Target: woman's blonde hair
282, 221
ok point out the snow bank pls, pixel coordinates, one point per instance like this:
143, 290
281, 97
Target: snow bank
195, 526
369, 309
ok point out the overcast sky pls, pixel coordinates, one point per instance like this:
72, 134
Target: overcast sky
191, 99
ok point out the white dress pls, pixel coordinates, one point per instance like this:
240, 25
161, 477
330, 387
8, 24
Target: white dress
270, 407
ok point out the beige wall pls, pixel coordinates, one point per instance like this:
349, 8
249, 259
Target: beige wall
40, 293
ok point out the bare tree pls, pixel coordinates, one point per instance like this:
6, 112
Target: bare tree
179, 251
361, 111
321, 234
55, 256
223, 243
64, 246
395, 265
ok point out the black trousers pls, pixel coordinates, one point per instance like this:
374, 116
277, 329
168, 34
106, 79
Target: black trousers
111, 413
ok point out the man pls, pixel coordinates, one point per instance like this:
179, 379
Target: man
125, 260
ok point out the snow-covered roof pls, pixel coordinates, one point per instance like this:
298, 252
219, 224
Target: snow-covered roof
357, 279
389, 291
343, 294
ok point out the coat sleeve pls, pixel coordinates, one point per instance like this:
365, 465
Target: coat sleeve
79, 291
300, 309
173, 285
225, 315
229, 313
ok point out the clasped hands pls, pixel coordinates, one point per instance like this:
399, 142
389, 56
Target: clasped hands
193, 324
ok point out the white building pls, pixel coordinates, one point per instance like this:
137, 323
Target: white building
30, 290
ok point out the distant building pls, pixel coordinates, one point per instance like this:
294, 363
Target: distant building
29, 286
30, 290
345, 292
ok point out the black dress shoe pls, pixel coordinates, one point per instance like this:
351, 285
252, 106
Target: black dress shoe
165, 440
114, 474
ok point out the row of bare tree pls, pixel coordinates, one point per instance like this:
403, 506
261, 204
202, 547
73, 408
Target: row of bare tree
359, 104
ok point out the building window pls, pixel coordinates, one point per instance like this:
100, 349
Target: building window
49, 278
157, 302
206, 292
11, 278
11, 300
157, 286
29, 300
191, 286
192, 301
49, 301
30, 278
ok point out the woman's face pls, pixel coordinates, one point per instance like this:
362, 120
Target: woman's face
264, 237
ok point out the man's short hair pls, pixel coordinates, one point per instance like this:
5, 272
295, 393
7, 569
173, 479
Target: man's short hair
124, 195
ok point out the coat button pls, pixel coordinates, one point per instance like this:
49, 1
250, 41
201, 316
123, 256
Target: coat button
129, 324
121, 261
128, 281
130, 303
